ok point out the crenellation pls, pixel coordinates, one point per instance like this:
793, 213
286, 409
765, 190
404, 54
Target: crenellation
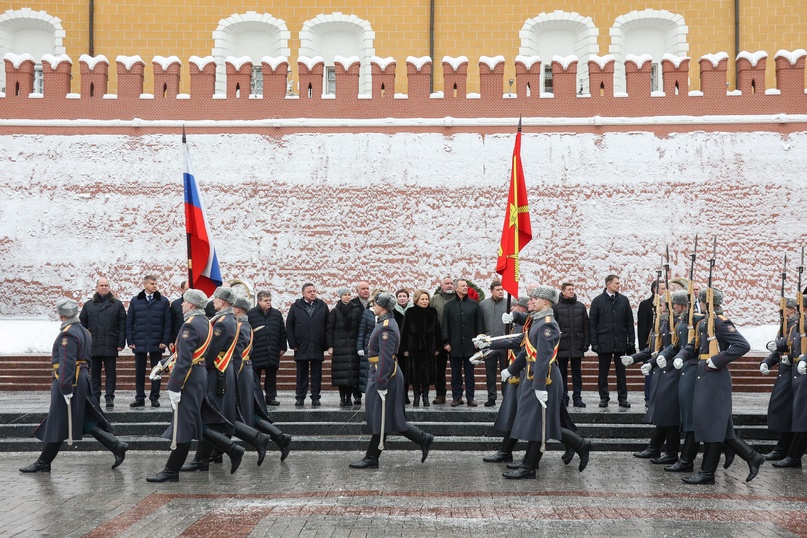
751, 73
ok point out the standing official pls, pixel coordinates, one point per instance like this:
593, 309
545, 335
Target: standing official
148, 332
72, 405
105, 318
385, 388
305, 329
572, 319
269, 344
492, 309
462, 321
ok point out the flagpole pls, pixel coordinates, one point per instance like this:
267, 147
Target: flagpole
187, 219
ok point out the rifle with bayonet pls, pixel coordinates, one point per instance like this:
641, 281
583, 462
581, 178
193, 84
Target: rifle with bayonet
671, 317
714, 348
692, 298
654, 343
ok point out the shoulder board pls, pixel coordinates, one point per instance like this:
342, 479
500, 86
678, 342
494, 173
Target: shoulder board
724, 318
386, 322
67, 328
547, 319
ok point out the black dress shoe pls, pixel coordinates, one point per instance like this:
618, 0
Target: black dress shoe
357, 401
521, 472
624, 405
787, 461
163, 476
36, 467
579, 403
315, 403
603, 403
498, 457
753, 466
647, 453
583, 452
299, 403
700, 478
568, 456
138, 403
681, 466
195, 465
155, 403
490, 403
664, 459
515, 464
366, 463
109, 404
273, 402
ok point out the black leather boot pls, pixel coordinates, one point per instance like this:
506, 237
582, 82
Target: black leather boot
782, 447
171, 471
729, 453
794, 455
370, 459
282, 440
201, 460
673, 444
259, 440
425, 394
753, 458
568, 455
415, 398
42, 463
529, 465
111, 443
580, 445
220, 441
420, 437
505, 453
685, 461
654, 448
711, 457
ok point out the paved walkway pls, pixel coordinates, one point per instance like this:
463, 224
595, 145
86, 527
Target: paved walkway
452, 493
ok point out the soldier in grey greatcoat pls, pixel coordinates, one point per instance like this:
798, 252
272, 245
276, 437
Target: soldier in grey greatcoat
385, 387
712, 399
780, 405
70, 393
542, 390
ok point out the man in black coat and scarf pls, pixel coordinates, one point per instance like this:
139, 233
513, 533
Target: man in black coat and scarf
305, 330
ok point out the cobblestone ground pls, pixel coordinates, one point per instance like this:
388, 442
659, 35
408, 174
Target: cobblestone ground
452, 493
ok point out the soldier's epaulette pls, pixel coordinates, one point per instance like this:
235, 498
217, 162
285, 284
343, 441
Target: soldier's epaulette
724, 318
547, 319
698, 317
66, 328
386, 322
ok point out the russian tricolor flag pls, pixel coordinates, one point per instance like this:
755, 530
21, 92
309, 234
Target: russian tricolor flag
203, 265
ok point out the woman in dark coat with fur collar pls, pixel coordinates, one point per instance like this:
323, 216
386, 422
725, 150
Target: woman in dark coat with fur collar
420, 343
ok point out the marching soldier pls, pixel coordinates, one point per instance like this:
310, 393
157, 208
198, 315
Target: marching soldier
251, 403
74, 410
187, 384
712, 400
385, 388
540, 399
799, 384
780, 405
220, 386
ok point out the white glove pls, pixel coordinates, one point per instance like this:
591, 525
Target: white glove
627, 360
482, 344
507, 317
67, 398
543, 397
711, 364
361, 353
763, 369
383, 394
506, 375
647, 368
175, 397
771, 346
476, 358
156, 372
678, 364
802, 367
654, 355
661, 361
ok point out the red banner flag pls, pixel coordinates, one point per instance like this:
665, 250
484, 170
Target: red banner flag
517, 231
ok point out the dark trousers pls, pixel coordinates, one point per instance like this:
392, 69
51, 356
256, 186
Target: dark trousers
440, 373
621, 379
492, 370
140, 376
457, 366
110, 366
577, 378
303, 378
270, 383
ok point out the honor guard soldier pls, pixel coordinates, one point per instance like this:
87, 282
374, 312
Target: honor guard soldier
187, 384
220, 386
712, 400
799, 384
538, 414
385, 388
74, 410
251, 404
